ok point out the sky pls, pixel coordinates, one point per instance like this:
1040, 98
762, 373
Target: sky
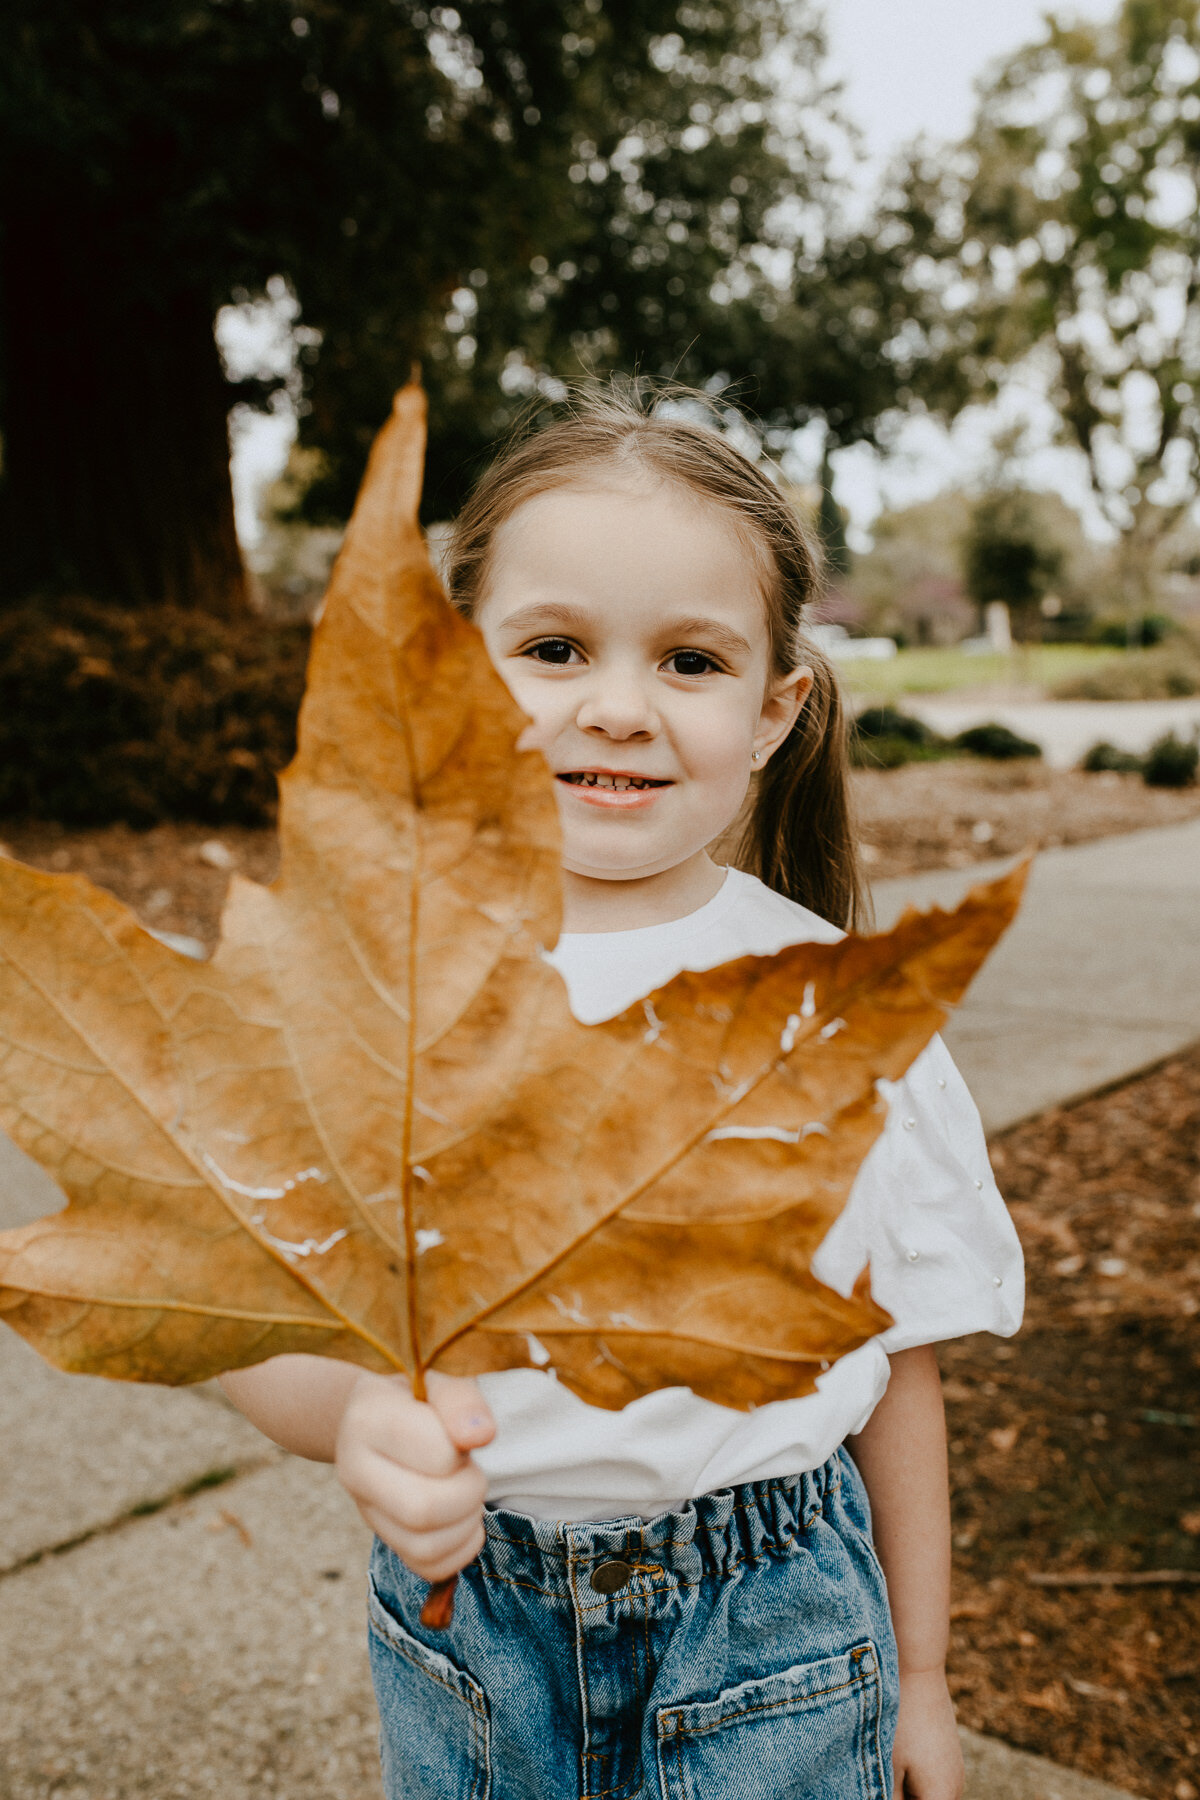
908, 67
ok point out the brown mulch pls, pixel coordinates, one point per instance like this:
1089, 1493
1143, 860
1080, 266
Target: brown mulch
173, 876
951, 814
1076, 1446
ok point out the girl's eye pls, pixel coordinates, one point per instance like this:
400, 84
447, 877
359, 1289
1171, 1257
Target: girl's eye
691, 662
552, 650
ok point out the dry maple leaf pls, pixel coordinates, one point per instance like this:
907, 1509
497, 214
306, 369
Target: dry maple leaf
370, 1126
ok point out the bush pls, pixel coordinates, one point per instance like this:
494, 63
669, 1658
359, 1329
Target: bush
1170, 763
1123, 634
1170, 672
110, 715
995, 741
1106, 758
890, 722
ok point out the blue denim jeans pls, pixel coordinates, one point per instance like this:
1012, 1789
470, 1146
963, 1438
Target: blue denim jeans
739, 1649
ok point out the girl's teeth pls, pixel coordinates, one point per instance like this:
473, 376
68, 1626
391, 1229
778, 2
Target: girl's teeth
589, 778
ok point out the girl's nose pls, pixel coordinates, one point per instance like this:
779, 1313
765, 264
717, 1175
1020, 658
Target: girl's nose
617, 705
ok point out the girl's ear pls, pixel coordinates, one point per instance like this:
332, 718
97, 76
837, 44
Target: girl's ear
780, 710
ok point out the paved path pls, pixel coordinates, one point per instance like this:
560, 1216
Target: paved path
1065, 729
181, 1608
1099, 976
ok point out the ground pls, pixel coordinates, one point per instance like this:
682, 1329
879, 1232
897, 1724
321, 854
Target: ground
951, 814
922, 816
1075, 1448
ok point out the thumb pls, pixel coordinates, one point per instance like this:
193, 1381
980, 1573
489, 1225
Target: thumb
463, 1411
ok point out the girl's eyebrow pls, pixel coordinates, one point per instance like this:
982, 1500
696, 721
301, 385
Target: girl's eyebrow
546, 612
574, 618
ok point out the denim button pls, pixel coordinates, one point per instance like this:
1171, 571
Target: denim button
607, 1577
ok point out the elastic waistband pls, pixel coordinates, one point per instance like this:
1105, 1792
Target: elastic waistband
710, 1535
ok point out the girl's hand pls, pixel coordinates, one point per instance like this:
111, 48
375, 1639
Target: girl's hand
927, 1763
406, 1466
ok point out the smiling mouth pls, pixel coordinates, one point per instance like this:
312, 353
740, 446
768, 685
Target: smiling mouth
596, 778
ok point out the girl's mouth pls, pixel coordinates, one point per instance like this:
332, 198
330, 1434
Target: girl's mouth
603, 787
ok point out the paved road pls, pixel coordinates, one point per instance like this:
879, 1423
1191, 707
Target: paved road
1065, 729
181, 1608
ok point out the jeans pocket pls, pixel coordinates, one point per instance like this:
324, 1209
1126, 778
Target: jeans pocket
808, 1733
434, 1716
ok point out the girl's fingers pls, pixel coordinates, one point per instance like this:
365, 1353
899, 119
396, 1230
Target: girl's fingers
382, 1416
432, 1555
420, 1503
463, 1411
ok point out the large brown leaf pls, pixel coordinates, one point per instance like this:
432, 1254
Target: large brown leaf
370, 1126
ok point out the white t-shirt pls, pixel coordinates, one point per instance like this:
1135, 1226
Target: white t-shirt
924, 1211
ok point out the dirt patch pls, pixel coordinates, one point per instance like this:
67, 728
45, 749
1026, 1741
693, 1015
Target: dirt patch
1076, 1447
952, 814
173, 876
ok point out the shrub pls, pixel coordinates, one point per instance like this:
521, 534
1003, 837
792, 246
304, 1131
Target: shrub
1170, 763
110, 715
890, 722
1106, 758
1121, 634
882, 737
995, 741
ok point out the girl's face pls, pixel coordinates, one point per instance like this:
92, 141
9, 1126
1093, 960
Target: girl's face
629, 623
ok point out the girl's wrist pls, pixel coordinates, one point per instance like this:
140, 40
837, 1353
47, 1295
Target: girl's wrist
923, 1671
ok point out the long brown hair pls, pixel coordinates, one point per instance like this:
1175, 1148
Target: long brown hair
797, 835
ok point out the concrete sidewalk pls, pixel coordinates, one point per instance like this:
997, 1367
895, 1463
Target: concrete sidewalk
1098, 977
182, 1609
1065, 729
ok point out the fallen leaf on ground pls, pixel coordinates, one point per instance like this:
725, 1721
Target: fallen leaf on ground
370, 1126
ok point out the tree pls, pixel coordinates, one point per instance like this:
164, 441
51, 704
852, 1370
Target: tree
1008, 556
1063, 238
509, 191
673, 217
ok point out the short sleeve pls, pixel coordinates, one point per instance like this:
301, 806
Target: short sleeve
926, 1214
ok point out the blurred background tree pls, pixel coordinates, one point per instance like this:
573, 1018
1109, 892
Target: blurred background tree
510, 191
1009, 556
1064, 240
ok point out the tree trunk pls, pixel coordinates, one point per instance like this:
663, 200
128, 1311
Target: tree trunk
116, 452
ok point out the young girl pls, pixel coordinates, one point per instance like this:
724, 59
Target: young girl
677, 1600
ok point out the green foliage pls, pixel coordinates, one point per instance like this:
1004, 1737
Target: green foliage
155, 715
1009, 556
995, 741
1171, 763
1133, 634
1066, 231
1104, 758
512, 194
888, 721
1169, 672
883, 737
945, 670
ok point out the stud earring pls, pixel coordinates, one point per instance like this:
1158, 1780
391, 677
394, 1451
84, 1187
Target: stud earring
754, 756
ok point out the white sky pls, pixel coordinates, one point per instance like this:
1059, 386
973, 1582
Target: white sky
909, 66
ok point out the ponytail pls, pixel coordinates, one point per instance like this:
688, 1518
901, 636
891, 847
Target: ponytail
798, 838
